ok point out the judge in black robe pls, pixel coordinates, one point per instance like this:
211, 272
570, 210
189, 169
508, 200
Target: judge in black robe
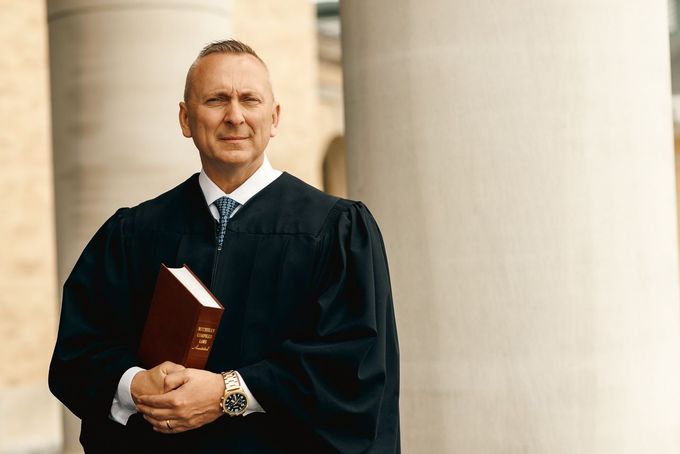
308, 321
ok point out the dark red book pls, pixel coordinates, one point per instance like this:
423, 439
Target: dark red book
182, 322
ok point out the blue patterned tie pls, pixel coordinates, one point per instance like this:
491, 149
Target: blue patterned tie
226, 206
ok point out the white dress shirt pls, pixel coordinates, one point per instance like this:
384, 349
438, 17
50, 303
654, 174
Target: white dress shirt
123, 406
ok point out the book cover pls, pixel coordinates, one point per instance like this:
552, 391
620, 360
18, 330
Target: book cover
182, 321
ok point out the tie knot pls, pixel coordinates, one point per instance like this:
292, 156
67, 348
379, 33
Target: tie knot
225, 206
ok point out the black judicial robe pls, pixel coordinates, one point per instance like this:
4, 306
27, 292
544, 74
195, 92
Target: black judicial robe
308, 321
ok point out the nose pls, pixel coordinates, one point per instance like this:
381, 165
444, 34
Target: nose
233, 113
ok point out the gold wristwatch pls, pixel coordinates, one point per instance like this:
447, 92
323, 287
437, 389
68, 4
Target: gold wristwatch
234, 401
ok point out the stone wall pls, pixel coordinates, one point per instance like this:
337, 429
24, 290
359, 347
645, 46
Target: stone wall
30, 419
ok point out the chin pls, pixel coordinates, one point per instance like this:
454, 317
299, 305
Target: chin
237, 158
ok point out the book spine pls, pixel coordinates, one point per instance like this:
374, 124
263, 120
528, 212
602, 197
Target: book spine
203, 338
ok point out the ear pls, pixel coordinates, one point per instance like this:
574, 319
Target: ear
184, 119
275, 118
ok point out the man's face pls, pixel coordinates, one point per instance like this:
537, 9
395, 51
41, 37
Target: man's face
230, 112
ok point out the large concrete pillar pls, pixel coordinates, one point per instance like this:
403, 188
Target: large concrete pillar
30, 421
117, 76
519, 158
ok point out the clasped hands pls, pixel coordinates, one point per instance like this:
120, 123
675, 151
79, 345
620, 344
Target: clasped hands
175, 399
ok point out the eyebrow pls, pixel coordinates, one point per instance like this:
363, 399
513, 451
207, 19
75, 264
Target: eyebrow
228, 94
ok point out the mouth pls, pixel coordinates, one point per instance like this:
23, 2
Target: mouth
232, 138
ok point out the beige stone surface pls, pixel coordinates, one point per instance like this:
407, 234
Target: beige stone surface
284, 35
518, 156
335, 169
29, 420
677, 174
64, 7
330, 88
29, 417
27, 268
331, 126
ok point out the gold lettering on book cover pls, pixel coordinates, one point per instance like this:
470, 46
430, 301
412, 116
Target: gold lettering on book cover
203, 338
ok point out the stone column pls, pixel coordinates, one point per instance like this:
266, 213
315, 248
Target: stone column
518, 156
30, 420
117, 76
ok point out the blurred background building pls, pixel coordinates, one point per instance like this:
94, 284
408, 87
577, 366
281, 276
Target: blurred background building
517, 155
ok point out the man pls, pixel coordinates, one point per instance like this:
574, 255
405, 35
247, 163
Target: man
306, 356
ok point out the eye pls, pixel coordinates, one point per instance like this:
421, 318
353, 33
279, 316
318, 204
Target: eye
215, 100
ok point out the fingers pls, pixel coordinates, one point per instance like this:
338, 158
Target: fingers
175, 380
167, 426
173, 426
158, 410
164, 397
192, 402
160, 414
168, 367
168, 400
153, 381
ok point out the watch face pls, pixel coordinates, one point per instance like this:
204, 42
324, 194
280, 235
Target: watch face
235, 403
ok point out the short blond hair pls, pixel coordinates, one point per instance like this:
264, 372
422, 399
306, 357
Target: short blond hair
227, 46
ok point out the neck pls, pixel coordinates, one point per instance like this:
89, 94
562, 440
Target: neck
229, 177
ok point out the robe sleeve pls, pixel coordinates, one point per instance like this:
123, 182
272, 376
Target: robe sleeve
342, 378
93, 348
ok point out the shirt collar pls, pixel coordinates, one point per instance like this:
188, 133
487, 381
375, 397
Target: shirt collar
257, 182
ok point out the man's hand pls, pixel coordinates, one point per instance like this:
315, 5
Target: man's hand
192, 403
152, 381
